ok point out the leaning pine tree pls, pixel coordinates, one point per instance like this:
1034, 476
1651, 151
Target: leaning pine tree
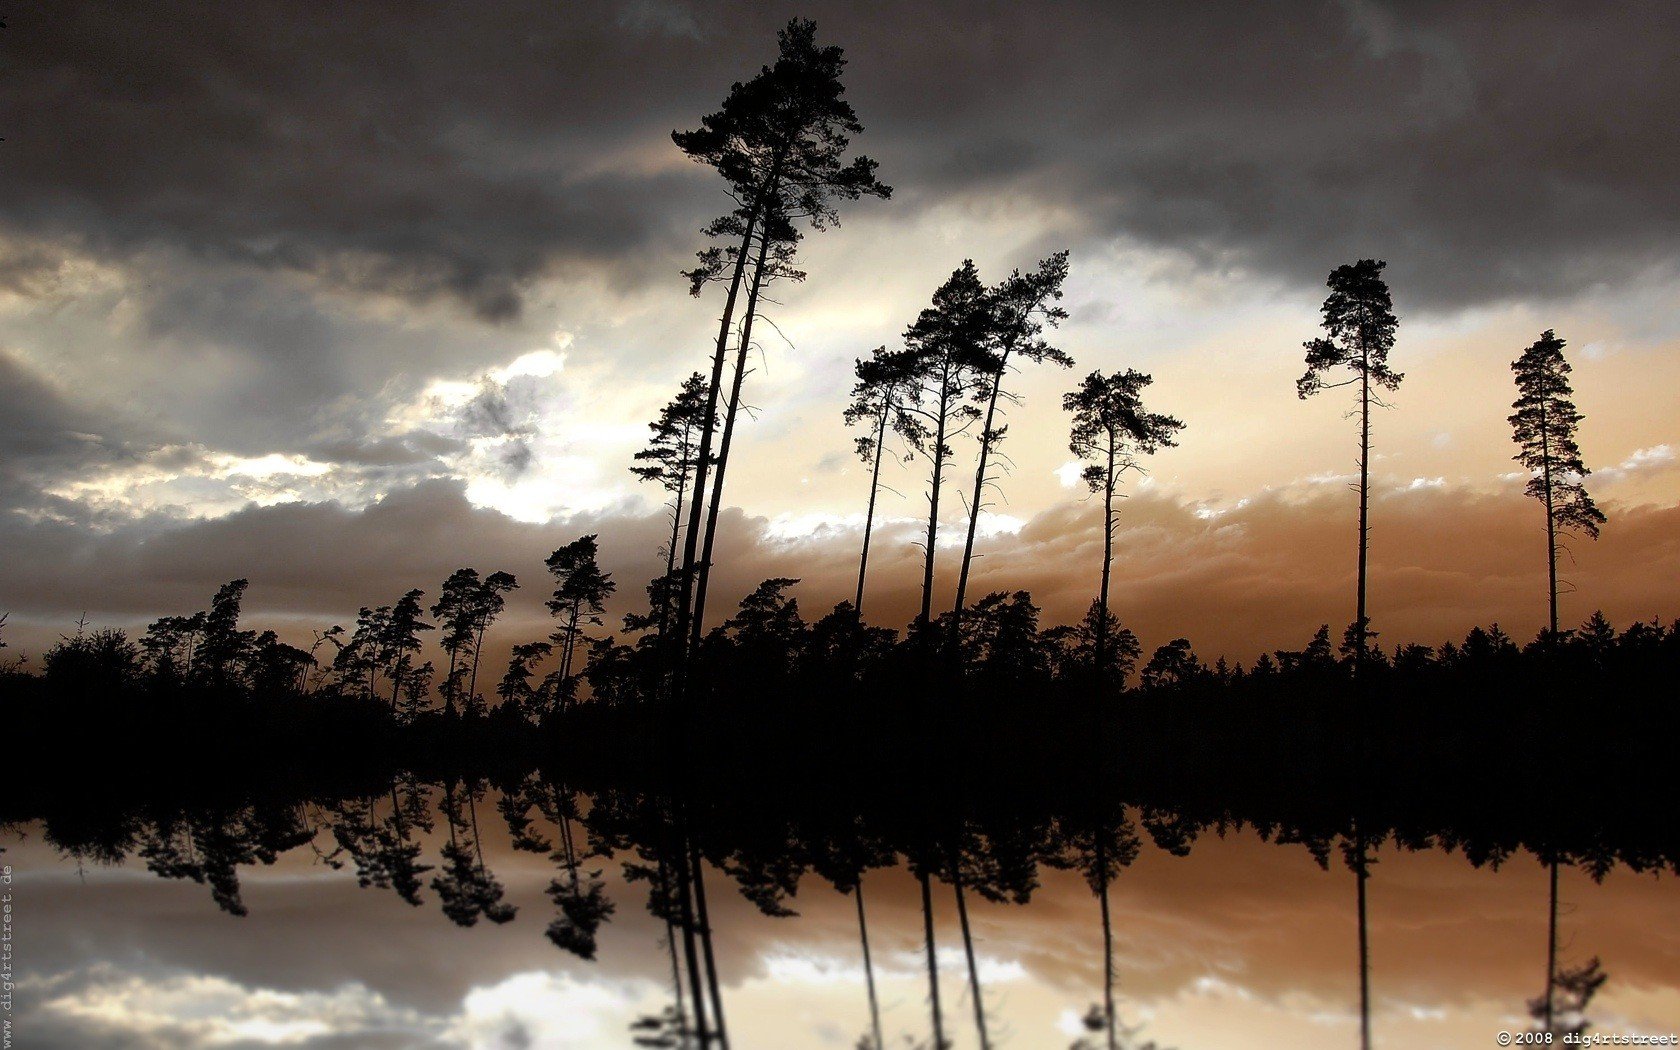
947, 357
1021, 307
1544, 427
779, 142
884, 385
1360, 322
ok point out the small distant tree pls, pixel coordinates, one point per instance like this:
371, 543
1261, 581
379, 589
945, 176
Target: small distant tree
670, 458
1074, 652
1360, 322
1544, 427
884, 382
100, 661
169, 646
488, 604
515, 686
1111, 429
277, 669
580, 594
767, 630
1172, 664
401, 641
359, 660
224, 648
416, 691
455, 612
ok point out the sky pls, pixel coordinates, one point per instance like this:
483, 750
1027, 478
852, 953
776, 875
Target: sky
340, 299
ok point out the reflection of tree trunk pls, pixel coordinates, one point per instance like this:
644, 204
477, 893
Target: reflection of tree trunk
472, 810
868, 967
968, 949
1551, 946
666, 894
697, 862
1361, 872
1108, 946
685, 899
932, 963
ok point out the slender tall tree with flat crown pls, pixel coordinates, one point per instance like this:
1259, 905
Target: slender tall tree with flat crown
947, 357
1021, 307
1360, 322
1544, 427
779, 142
1111, 429
884, 383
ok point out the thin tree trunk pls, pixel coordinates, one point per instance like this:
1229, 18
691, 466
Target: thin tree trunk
968, 950
868, 968
685, 897
933, 499
698, 626
478, 647
932, 963
986, 439
449, 685
1108, 948
676, 982
713, 389
869, 518
1107, 566
1364, 508
1551, 520
1361, 873
697, 861
1551, 946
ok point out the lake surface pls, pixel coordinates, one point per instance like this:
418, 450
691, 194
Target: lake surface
127, 933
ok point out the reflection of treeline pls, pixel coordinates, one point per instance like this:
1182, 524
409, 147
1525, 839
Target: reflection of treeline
990, 835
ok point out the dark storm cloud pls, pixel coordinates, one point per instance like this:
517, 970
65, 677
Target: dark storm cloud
46, 434
461, 150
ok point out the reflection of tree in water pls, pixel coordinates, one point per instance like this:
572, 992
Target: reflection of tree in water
1563, 1010
208, 848
465, 887
581, 898
1099, 849
986, 840
382, 846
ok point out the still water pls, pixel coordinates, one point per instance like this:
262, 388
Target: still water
448, 916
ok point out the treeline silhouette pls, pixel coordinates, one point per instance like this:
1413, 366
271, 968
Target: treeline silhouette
1463, 721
